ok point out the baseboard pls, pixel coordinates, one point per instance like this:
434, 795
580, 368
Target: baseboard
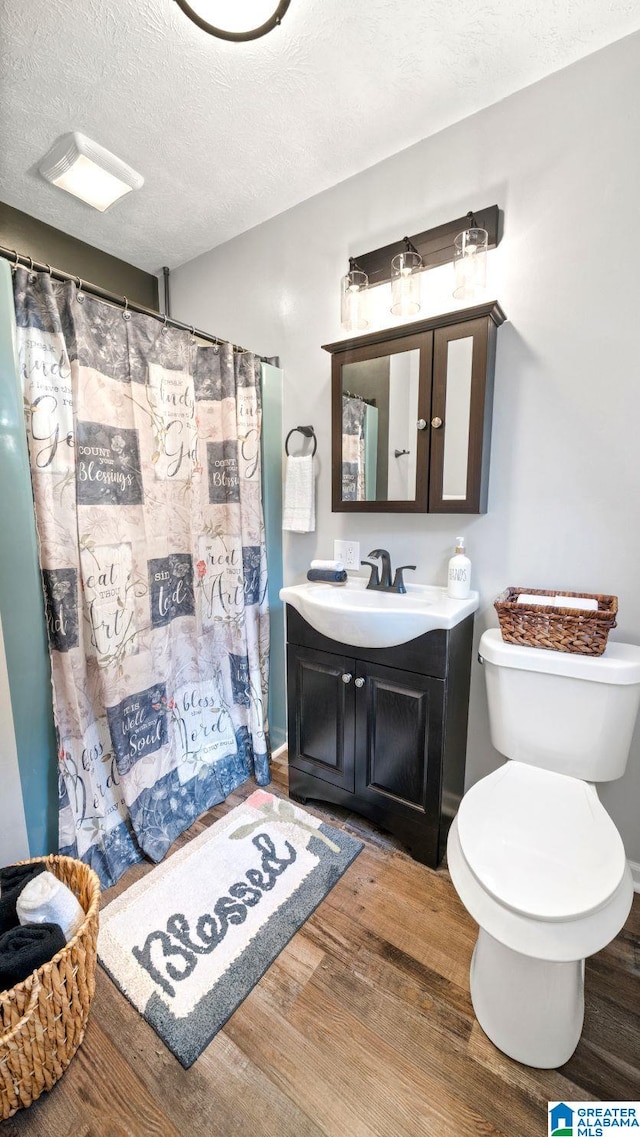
635, 872
281, 749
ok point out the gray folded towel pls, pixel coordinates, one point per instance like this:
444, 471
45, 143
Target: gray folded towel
327, 575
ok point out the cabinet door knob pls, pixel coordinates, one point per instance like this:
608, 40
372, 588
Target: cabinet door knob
360, 682
436, 423
346, 677
421, 424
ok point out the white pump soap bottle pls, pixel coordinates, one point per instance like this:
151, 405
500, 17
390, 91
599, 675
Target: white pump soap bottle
459, 578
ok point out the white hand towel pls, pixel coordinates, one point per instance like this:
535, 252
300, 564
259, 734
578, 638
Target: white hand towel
583, 603
328, 566
299, 513
46, 900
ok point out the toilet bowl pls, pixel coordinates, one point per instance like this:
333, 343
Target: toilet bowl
532, 853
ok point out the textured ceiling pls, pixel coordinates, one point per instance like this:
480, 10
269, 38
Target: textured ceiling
228, 135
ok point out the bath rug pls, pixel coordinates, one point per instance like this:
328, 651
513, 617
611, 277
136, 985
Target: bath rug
188, 941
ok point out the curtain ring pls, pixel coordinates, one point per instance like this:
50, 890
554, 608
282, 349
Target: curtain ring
80, 293
49, 270
32, 275
192, 330
16, 262
126, 315
164, 329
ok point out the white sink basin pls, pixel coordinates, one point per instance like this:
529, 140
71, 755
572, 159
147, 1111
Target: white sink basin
351, 614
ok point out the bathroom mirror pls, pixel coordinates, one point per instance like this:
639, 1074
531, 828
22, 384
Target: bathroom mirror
379, 416
411, 415
380, 392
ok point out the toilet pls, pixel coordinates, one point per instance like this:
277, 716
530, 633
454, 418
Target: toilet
532, 853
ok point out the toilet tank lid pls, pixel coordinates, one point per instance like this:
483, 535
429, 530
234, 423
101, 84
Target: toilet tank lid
620, 663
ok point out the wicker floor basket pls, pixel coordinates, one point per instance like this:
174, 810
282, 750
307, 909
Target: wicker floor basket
43, 1019
555, 628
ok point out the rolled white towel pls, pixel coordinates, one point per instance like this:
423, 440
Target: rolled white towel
583, 603
328, 566
46, 900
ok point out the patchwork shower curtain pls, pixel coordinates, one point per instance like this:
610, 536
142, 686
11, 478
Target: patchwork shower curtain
145, 462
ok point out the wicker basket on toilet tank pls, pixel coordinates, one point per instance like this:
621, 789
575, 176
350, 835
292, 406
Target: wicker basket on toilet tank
555, 628
43, 1019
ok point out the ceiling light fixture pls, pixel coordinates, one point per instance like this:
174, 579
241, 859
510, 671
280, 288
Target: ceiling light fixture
88, 171
230, 20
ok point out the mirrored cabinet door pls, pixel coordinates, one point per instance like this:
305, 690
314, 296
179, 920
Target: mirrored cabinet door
461, 408
381, 397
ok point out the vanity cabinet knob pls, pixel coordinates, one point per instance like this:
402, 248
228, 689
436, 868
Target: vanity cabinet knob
346, 677
360, 682
421, 424
436, 423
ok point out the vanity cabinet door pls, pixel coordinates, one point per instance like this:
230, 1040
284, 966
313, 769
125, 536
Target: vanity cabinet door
399, 741
321, 715
461, 409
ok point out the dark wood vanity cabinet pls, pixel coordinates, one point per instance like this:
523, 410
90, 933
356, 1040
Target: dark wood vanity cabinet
381, 731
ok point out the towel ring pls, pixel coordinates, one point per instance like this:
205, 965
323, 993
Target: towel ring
308, 432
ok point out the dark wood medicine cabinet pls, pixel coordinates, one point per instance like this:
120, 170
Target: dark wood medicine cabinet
411, 415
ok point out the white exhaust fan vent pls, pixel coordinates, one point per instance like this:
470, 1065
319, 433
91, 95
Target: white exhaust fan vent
88, 171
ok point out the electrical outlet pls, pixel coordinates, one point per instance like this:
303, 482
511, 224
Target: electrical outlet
348, 552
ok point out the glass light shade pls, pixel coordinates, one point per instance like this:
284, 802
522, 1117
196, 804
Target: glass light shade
470, 263
405, 284
229, 19
81, 167
354, 302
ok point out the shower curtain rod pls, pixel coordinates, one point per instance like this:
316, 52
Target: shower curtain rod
113, 298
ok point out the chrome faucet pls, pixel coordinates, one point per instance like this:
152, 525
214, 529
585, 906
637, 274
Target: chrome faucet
383, 583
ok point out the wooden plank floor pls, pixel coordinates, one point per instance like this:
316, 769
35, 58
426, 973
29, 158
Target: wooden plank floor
363, 1026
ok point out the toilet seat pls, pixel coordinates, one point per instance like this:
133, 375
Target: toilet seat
541, 843
554, 940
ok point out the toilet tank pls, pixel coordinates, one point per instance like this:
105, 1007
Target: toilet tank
574, 714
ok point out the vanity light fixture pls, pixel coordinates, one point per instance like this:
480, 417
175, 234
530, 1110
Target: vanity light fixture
470, 261
230, 20
463, 242
405, 281
354, 307
83, 168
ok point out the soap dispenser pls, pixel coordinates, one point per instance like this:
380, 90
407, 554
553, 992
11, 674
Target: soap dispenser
459, 578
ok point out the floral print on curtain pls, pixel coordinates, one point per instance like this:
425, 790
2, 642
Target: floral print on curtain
145, 462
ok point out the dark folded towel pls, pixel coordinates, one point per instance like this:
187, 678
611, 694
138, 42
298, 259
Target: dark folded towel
12, 880
327, 575
26, 947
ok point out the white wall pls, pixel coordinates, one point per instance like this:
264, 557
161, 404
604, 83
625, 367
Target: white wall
562, 160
